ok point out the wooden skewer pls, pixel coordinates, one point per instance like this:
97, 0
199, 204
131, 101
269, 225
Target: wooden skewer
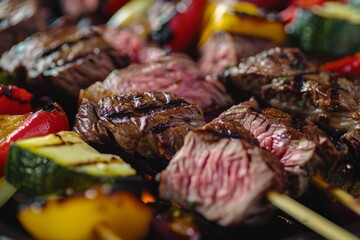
6, 191
342, 196
309, 218
105, 233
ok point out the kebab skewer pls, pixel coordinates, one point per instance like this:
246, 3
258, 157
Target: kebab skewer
283, 78
223, 172
225, 126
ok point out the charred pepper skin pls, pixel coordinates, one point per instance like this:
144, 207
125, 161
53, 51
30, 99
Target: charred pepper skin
179, 29
50, 119
14, 100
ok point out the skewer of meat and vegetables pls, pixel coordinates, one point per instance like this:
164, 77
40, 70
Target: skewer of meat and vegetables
179, 119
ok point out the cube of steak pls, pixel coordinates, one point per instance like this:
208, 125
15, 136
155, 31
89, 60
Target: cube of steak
224, 179
254, 72
88, 125
352, 138
173, 73
61, 61
330, 101
18, 19
302, 148
147, 124
224, 50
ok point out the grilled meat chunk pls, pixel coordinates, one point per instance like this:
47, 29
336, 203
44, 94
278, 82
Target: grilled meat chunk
61, 61
18, 19
352, 138
302, 148
147, 124
283, 78
330, 101
224, 179
176, 74
224, 50
254, 72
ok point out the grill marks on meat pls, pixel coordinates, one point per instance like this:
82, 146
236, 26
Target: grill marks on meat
18, 19
254, 72
302, 148
149, 124
224, 179
283, 78
224, 171
176, 74
330, 101
352, 138
61, 61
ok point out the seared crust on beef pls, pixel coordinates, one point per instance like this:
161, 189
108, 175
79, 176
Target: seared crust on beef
330, 101
18, 19
224, 179
303, 148
254, 72
352, 138
61, 61
149, 124
283, 78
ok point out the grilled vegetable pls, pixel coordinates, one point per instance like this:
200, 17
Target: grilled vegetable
62, 161
241, 18
50, 119
6, 191
332, 28
132, 13
349, 65
180, 26
82, 216
14, 100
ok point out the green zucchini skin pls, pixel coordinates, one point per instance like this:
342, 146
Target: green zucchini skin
36, 175
314, 33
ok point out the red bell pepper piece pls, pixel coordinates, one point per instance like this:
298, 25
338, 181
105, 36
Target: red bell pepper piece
349, 66
179, 32
14, 100
50, 119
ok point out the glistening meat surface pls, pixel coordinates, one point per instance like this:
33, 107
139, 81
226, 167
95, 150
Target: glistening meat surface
301, 147
147, 124
255, 71
224, 179
60, 61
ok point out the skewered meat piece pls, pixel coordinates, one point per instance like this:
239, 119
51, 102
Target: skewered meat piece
223, 174
148, 124
18, 19
352, 138
330, 101
303, 149
60, 61
252, 73
283, 78
177, 74
223, 177
224, 50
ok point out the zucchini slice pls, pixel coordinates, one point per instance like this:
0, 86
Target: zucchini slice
331, 29
63, 161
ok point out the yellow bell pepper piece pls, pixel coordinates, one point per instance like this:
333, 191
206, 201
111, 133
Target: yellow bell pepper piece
10, 123
86, 216
240, 18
